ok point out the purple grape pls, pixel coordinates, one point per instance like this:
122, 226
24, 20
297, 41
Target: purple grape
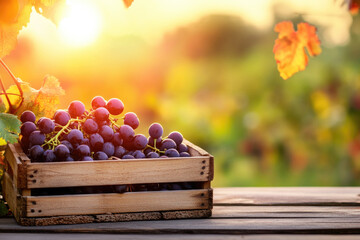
101, 114
167, 144
126, 132
97, 102
120, 188
100, 156
61, 152
119, 151
115, 106
85, 141
62, 117
163, 156
117, 140
46, 125
131, 119
172, 153
96, 142
182, 148
27, 128
177, 137
49, 156
128, 156
75, 136
90, 126
107, 133
82, 150
140, 141
152, 155
108, 148
87, 159
151, 141
68, 145
36, 152
155, 130
147, 150
185, 154
36, 138
76, 109
69, 159
27, 116
138, 154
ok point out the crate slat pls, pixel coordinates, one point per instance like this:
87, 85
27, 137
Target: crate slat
118, 202
116, 172
12, 157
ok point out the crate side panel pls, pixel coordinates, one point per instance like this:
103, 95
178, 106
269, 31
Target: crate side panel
118, 203
18, 168
116, 172
12, 197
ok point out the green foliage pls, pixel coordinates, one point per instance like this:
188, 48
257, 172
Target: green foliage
9, 127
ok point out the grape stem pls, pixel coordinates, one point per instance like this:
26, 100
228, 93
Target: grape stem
55, 139
6, 95
155, 149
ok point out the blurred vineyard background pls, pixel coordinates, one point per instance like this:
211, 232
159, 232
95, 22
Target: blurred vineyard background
212, 76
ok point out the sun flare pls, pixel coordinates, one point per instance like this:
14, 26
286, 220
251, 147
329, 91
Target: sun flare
81, 25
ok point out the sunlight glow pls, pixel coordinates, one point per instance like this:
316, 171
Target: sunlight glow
81, 25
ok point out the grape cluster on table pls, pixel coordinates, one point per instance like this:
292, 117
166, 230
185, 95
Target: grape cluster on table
76, 134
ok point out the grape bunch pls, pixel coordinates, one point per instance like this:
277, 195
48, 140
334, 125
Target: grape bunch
77, 134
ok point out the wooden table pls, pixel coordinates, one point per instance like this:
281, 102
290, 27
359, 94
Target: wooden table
253, 213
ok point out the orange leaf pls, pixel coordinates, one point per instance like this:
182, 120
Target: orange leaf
354, 7
289, 48
128, 3
13, 17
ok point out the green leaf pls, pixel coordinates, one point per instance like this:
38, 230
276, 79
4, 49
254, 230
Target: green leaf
9, 127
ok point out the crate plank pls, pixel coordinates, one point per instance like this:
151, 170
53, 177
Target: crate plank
18, 169
114, 172
310, 196
117, 202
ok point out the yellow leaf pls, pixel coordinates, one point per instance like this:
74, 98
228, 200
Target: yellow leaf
289, 48
128, 3
42, 102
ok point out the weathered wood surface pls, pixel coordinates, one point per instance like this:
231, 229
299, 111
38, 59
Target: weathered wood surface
237, 211
118, 203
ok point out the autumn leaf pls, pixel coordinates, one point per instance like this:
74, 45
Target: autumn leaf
14, 17
128, 3
354, 6
9, 127
289, 48
42, 102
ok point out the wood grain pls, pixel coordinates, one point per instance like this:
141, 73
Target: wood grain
90, 236
286, 196
18, 169
86, 204
114, 172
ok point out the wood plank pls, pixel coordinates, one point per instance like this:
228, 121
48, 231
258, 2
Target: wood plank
114, 172
286, 212
9, 192
203, 226
89, 236
286, 196
17, 167
118, 202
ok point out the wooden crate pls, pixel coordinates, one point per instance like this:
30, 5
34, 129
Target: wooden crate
22, 177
